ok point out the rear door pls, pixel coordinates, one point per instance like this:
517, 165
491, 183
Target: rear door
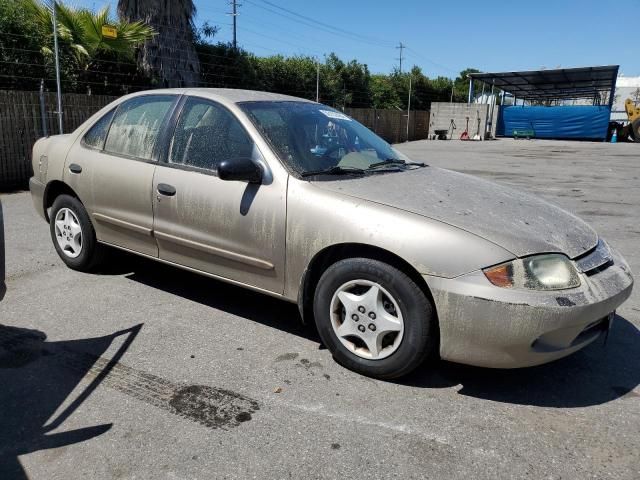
111, 169
231, 229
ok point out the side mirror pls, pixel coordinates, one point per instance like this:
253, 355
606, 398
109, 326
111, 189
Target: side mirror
242, 169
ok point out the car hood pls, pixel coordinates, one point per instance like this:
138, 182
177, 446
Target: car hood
518, 222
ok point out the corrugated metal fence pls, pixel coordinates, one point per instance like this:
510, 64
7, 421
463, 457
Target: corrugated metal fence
22, 123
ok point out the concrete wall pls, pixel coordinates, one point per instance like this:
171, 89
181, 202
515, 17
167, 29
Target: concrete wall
443, 112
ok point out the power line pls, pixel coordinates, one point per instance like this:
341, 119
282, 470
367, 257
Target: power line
279, 40
422, 57
329, 26
313, 23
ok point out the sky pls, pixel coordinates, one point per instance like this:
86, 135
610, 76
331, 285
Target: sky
442, 37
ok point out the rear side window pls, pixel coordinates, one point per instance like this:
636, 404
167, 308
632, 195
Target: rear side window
136, 125
94, 138
206, 134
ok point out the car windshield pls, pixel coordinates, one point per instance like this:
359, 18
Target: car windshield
313, 138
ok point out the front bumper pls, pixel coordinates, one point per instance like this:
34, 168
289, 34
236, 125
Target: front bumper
489, 326
37, 195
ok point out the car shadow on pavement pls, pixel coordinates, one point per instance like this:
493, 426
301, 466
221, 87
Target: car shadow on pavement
595, 375
37, 378
592, 376
238, 301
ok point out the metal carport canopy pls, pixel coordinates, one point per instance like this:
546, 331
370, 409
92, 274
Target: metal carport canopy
561, 84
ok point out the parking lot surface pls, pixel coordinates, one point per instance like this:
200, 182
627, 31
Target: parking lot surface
146, 371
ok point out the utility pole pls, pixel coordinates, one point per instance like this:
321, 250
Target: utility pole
401, 47
409, 108
55, 47
234, 14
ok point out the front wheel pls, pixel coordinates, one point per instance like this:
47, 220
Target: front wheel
374, 318
73, 235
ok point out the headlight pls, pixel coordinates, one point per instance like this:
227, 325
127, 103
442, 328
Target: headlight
539, 272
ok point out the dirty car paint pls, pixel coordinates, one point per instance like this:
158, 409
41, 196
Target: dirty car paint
519, 222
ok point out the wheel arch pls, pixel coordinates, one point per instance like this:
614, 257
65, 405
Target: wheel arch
334, 253
54, 189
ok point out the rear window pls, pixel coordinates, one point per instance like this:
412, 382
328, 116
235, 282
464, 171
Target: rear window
96, 135
136, 125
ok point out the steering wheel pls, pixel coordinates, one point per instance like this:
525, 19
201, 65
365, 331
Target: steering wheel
330, 150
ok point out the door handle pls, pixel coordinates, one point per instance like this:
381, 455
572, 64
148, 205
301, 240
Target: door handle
167, 190
75, 168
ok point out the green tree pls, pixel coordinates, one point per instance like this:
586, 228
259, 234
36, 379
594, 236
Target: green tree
88, 62
461, 85
21, 63
383, 93
81, 30
345, 84
289, 75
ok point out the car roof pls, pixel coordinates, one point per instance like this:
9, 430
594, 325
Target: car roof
227, 95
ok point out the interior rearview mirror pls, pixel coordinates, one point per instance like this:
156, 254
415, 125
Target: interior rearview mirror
240, 169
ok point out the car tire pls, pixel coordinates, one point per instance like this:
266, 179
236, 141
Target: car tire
68, 218
399, 298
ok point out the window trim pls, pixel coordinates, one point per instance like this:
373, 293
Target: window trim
155, 153
172, 126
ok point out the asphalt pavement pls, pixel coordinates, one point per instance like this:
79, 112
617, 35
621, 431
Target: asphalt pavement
146, 371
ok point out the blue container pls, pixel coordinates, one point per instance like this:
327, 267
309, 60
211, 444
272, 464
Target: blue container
571, 122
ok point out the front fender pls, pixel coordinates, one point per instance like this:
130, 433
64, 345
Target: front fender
317, 219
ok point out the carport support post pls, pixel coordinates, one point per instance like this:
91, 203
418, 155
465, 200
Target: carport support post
612, 97
471, 90
612, 93
489, 121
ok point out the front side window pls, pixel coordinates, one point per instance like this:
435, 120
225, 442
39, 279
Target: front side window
136, 125
309, 137
96, 135
206, 134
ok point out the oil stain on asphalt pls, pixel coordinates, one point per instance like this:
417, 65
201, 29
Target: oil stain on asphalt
209, 406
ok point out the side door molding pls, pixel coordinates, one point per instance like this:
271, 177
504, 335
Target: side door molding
237, 257
122, 224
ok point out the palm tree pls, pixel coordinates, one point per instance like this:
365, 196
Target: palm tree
81, 30
170, 57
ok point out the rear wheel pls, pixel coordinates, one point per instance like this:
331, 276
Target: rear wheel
73, 235
374, 318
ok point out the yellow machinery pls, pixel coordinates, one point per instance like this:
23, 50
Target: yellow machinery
633, 114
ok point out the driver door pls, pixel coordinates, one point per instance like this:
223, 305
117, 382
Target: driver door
231, 229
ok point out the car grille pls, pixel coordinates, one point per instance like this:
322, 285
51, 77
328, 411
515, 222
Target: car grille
595, 260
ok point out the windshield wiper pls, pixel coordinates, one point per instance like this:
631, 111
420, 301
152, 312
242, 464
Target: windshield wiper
395, 161
335, 170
